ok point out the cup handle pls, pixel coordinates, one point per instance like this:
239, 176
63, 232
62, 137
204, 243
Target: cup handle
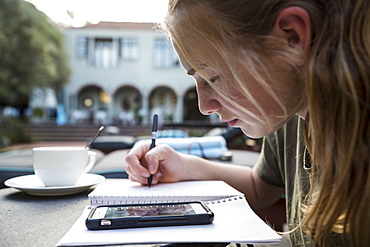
92, 159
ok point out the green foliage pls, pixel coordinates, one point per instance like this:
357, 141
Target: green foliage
38, 112
32, 52
13, 131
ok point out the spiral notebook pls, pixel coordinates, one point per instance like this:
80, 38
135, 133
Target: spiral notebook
127, 192
234, 220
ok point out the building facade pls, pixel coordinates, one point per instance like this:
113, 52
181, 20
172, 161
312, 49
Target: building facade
122, 73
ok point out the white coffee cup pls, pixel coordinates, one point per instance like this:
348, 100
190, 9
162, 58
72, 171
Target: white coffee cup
62, 166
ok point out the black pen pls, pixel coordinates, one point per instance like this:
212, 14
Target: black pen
154, 136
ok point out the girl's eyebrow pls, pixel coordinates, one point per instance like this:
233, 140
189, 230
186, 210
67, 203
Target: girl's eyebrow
191, 72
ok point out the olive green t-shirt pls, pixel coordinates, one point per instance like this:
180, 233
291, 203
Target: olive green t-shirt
284, 162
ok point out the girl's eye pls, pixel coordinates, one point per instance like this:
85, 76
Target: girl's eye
212, 80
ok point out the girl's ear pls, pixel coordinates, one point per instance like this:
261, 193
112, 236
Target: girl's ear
293, 25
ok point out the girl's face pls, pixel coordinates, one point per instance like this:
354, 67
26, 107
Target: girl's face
252, 122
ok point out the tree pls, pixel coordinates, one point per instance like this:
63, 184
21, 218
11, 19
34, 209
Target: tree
32, 52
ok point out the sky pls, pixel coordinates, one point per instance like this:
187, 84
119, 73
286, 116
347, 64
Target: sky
93, 11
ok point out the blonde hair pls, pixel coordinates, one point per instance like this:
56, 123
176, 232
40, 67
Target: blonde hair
335, 86
227, 37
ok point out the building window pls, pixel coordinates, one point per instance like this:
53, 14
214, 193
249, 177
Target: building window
105, 53
164, 55
88, 102
82, 47
128, 49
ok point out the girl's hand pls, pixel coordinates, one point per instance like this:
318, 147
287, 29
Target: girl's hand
163, 162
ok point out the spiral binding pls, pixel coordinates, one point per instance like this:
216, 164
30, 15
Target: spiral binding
136, 199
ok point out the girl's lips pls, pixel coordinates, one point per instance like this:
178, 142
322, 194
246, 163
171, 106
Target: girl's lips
232, 123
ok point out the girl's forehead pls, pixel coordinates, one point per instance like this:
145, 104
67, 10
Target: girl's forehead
191, 69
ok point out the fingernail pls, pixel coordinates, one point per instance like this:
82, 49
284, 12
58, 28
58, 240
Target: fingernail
151, 169
145, 174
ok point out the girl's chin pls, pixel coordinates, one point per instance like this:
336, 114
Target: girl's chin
254, 132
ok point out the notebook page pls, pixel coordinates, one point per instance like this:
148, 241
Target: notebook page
126, 191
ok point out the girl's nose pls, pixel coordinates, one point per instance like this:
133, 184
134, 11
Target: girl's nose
207, 102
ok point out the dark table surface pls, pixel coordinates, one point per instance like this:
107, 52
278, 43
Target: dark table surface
35, 220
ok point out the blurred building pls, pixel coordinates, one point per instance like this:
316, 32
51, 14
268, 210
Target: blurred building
123, 73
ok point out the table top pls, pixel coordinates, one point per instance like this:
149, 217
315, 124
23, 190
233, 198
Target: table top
42, 221
36, 220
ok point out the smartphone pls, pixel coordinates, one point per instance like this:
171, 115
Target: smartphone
149, 215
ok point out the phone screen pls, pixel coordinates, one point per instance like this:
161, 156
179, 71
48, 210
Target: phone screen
148, 210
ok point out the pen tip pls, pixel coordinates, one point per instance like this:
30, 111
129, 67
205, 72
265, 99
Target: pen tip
150, 178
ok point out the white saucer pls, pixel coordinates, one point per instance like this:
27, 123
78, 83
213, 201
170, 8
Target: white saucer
32, 185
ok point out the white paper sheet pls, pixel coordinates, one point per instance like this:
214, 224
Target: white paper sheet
234, 222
